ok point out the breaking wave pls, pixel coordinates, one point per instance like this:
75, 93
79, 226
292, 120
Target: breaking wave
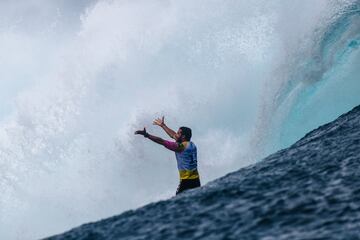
248, 78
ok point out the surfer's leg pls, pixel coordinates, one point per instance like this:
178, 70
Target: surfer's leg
181, 187
186, 184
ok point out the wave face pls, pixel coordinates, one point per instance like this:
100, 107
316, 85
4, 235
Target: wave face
308, 191
79, 78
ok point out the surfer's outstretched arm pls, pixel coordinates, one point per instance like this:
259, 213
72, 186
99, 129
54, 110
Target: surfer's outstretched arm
161, 123
151, 137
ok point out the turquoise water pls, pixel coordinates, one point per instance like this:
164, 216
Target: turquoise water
77, 79
329, 81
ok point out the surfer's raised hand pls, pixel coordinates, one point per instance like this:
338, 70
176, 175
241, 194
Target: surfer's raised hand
142, 132
159, 122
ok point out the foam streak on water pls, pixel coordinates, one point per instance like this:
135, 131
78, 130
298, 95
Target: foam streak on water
78, 79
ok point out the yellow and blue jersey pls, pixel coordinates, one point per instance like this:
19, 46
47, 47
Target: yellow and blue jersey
186, 157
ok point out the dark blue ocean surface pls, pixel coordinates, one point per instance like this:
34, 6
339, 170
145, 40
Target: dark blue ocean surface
310, 190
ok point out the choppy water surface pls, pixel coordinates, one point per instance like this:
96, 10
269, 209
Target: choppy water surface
79, 77
307, 191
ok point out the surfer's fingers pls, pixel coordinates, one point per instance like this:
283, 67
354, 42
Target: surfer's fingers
157, 121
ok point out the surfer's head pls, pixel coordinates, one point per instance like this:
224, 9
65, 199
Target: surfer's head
183, 134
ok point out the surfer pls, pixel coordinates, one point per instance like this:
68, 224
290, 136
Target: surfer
185, 153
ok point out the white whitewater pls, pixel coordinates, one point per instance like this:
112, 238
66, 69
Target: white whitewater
79, 79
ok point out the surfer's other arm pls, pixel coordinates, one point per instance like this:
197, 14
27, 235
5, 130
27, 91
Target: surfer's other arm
173, 146
151, 137
161, 123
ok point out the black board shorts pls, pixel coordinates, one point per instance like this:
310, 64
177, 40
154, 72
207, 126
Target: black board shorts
186, 184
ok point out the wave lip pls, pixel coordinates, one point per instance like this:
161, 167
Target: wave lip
305, 191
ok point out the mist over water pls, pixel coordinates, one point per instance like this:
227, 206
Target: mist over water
248, 78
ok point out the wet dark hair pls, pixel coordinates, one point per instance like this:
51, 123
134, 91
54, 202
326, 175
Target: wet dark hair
185, 131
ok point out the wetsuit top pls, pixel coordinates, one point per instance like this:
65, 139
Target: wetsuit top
186, 157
